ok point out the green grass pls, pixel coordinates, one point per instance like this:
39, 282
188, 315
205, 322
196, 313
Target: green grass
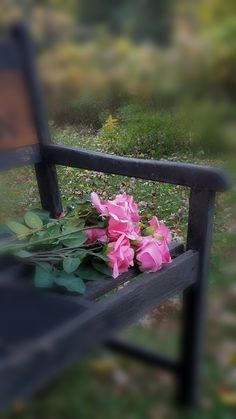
105, 385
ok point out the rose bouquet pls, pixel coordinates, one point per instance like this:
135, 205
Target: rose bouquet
127, 240
91, 240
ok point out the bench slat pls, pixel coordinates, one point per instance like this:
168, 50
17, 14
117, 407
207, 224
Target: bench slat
18, 273
96, 289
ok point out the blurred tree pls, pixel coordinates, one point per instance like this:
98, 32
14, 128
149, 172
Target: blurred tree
68, 6
9, 13
148, 19
51, 25
212, 12
141, 19
217, 21
98, 11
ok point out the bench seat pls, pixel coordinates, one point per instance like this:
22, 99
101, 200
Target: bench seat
48, 331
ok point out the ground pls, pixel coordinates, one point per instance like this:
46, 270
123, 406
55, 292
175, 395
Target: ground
107, 385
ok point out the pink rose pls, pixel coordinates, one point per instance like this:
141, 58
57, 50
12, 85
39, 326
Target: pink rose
98, 204
127, 202
96, 234
122, 213
149, 254
165, 251
123, 217
160, 230
122, 227
121, 256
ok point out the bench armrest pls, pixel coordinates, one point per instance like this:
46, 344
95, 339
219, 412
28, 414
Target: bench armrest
191, 175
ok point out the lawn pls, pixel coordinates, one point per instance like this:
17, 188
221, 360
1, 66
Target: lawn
107, 385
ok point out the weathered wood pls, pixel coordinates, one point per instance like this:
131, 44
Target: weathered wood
199, 239
20, 273
48, 188
194, 176
35, 363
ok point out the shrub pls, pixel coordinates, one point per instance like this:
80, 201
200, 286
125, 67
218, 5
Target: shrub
222, 57
213, 126
194, 126
147, 132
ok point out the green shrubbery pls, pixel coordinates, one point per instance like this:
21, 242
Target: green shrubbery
202, 125
143, 131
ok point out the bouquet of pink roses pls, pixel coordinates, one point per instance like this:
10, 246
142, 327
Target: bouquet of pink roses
127, 240
91, 240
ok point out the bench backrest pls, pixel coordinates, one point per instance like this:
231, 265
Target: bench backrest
23, 125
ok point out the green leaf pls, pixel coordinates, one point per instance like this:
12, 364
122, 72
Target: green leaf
19, 229
71, 264
43, 278
42, 214
100, 255
47, 233
102, 268
46, 266
32, 220
70, 282
53, 230
88, 273
76, 239
80, 253
23, 254
67, 229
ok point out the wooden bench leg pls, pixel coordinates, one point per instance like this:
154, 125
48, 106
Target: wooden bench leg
48, 188
199, 238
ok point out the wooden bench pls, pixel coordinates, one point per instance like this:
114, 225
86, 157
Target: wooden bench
42, 333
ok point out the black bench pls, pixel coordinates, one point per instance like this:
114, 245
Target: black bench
41, 333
